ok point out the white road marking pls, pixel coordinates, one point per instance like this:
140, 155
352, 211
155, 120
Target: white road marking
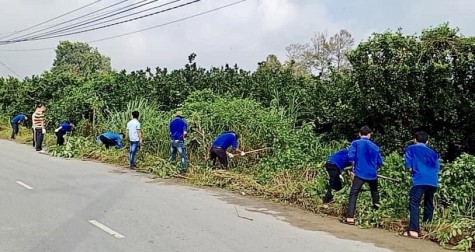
24, 185
106, 229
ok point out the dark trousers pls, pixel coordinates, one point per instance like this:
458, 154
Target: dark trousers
334, 182
33, 137
106, 141
39, 139
220, 154
356, 189
60, 137
15, 130
415, 196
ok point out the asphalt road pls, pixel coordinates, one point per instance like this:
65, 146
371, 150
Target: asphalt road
52, 204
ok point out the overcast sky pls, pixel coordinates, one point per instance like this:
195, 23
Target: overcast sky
244, 34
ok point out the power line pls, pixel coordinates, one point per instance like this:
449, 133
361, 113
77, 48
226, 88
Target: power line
169, 23
111, 20
79, 24
137, 31
68, 21
105, 26
97, 17
9, 69
49, 20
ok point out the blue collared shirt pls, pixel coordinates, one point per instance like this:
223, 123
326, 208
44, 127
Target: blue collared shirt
18, 119
177, 128
340, 159
367, 158
424, 163
225, 140
114, 137
66, 126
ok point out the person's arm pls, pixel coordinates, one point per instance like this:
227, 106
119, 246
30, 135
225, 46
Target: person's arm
379, 161
58, 129
352, 154
408, 160
185, 129
139, 132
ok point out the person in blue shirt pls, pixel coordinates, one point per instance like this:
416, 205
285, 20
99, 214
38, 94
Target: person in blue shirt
15, 122
366, 159
335, 165
111, 139
423, 164
64, 128
221, 144
178, 132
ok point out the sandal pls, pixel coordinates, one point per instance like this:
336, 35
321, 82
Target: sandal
345, 221
408, 234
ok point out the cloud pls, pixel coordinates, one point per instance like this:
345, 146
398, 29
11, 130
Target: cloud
244, 34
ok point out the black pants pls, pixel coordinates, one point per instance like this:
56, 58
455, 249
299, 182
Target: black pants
220, 154
60, 137
106, 141
33, 136
334, 182
15, 130
415, 196
39, 139
355, 190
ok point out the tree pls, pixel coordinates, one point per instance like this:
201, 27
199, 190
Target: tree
79, 59
323, 52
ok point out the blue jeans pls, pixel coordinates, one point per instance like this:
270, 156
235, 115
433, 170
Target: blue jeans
179, 146
415, 197
134, 147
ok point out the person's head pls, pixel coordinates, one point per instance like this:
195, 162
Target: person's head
122, 135
421, 137
236, 134
365, 131
135, 115
40, 107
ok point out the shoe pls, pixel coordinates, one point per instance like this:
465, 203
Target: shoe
133, 167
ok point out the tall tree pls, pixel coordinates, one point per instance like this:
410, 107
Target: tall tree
79, 59
322, 52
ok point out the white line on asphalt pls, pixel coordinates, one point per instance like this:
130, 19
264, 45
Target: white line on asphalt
106, 229
24, 185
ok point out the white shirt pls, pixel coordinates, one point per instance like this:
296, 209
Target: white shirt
133, 126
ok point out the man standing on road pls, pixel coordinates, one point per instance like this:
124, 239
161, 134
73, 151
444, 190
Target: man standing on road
178, 132
423, 164
135, 138
366, 159
38, 121
221, 144
335, 165
111, 139
64, 128
16, 122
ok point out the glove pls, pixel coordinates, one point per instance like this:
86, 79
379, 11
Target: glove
43, 131
230, 155
342, 179
243, 154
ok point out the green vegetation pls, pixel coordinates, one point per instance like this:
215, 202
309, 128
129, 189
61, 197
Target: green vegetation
394, 83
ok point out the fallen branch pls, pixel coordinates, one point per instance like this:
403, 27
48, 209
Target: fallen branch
237, 213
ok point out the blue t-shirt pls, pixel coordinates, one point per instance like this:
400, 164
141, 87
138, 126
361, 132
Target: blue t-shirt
367, 158
114, 137
340, 159
177, 128
18, 119
225, 140
424, 163
66, 126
